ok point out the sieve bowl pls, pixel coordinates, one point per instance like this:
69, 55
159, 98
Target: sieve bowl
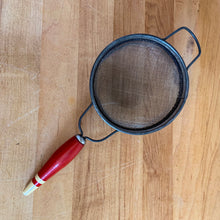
177, 60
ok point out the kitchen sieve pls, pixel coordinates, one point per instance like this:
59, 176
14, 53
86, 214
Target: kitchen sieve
138, 85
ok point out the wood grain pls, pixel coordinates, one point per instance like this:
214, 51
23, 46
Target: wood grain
19, 102
47, 52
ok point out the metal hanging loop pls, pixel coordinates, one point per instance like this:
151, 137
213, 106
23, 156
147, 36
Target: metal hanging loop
195, 39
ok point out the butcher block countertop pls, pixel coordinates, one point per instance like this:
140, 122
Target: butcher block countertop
47, 49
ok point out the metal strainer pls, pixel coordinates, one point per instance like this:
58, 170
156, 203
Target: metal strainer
138, 85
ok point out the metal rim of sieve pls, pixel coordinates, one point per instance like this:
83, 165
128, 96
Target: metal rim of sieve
180, 101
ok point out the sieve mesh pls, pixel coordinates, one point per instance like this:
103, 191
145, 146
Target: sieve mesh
137, 84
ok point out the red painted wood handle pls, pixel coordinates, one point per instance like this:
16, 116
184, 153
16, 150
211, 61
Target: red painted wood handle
60, 158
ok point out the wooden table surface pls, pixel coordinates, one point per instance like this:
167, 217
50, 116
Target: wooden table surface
47, 52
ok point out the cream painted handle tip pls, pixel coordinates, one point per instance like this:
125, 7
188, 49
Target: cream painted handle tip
29, 189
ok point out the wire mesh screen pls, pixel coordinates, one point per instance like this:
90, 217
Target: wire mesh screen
137, 84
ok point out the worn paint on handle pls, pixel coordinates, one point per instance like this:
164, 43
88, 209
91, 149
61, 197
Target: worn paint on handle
61, 157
